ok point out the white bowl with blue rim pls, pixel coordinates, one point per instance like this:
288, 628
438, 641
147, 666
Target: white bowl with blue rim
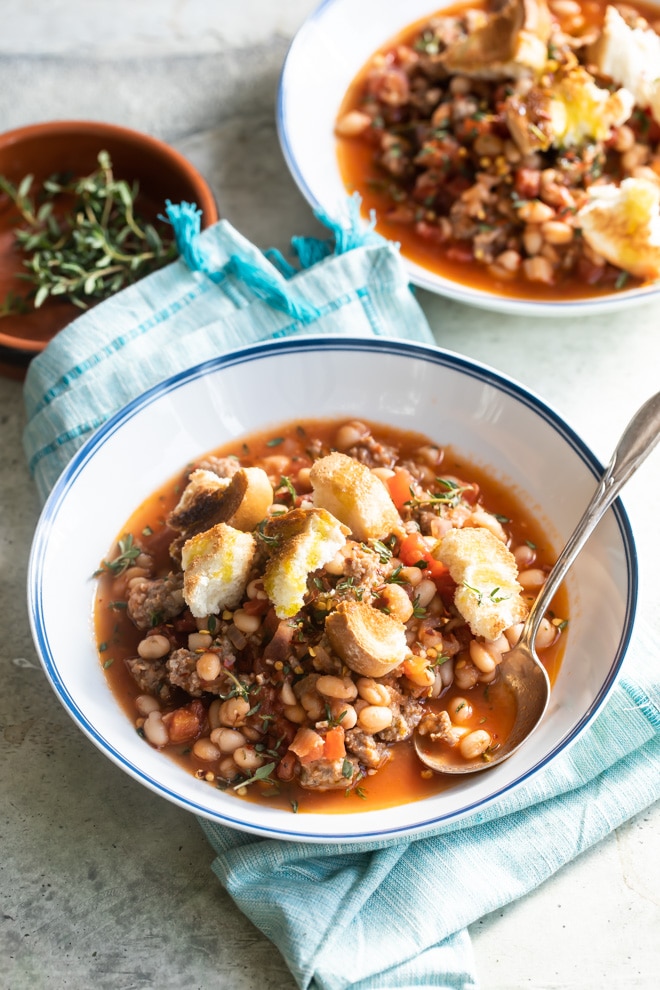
492, 420
328, 51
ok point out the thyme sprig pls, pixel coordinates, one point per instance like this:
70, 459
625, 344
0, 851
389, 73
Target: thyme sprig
81, 238
128, 553
451, 495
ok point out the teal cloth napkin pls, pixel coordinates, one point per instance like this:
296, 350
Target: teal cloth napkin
389, 914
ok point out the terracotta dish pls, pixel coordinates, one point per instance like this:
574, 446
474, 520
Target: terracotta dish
73, 146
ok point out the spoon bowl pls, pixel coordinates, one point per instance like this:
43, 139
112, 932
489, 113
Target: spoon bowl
520, 670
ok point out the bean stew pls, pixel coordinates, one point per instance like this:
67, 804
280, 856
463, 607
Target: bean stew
281, 616
515, 146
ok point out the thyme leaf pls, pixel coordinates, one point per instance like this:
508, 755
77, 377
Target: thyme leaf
128, 553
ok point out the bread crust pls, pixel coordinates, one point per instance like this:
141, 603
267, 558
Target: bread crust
369, 641
352, 493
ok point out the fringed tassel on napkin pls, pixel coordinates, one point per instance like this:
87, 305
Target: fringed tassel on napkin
348, 233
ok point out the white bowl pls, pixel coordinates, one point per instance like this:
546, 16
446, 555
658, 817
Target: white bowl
490, 418
328, 51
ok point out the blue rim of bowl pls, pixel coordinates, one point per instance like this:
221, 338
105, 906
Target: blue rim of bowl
437, 284
428, 353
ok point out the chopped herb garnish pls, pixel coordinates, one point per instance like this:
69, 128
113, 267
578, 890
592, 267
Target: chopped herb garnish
261, 773
347, 769
294, 807
419, 611
147, 531
492, 596
275, 442
260, 531
395, 576
285, 482
128, 554
108, 663
382, 550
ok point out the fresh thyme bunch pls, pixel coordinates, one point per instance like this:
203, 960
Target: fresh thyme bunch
82, 239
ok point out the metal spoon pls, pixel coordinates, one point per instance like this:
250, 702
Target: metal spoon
521, 671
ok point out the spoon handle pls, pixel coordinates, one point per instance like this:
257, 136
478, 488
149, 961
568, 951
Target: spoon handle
638, 440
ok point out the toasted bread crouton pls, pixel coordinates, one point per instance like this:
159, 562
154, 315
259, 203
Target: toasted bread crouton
622, 223
216, 566
241, 501
304, 540
369, 641
630, 56
506, 43
199, 500
485, 571
257, 497
359, 499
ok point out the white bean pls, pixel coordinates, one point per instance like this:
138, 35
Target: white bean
481, 658
154, 647
349, 434
155, 730
513, 633
227, 769
342, 688
460, 710
374, 718
546, 634
532, 578
425, 592
373, 692
534, 211
446, 669
343, 713
474, 744
227, 740
204, 749
411, 575
246, 622
295, 713
145, 704
287, 695
466, 674
232, 712
525, 555
208, 666
247, 758
313, 705
397, 601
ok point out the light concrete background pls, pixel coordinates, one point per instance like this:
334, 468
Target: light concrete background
103, 885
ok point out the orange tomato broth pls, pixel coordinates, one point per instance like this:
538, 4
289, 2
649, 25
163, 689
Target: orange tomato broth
355, 159
403, 779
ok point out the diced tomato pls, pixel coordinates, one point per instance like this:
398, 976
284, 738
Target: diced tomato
334, 748
308, 745
399, 486
416, 551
